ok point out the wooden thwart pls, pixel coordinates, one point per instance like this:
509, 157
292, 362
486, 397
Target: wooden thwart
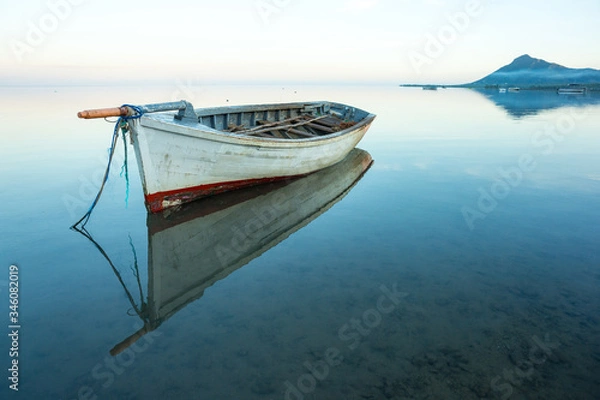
329, 121
301, 133
302, 125
269, 127
262, 124
235, 128
278, 134
321, 128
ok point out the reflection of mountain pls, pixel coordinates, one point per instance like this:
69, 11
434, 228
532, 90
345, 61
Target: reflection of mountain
191, 249
532, 102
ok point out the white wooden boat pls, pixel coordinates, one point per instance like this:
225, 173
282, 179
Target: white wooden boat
201, 243
194, 153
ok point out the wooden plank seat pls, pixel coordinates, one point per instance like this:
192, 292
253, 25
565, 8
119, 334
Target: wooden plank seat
287, 125
301, 126
301, 133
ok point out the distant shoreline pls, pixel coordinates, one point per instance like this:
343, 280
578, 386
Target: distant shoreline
591, 87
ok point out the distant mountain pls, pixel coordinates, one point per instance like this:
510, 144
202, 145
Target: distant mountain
527, 71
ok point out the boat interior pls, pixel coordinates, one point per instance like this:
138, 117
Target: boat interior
284, 121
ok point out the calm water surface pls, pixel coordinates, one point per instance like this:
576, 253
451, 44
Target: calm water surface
464, 264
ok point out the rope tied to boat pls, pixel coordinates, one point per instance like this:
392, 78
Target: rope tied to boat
124, 167
122, 125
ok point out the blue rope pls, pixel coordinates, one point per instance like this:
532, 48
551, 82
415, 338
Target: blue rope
111, 152
125, 169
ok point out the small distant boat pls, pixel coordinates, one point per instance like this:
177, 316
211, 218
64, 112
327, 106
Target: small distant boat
514, 89
502, 90
193, 153
572, 89
430, 87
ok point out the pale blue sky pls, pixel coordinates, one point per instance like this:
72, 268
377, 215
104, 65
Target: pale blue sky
395, 41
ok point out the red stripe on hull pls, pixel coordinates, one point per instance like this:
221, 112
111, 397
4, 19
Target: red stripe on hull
157, 202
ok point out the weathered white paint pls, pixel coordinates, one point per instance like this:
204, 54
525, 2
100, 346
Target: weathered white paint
177, 154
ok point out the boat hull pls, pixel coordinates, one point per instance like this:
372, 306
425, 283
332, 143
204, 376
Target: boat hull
180, 162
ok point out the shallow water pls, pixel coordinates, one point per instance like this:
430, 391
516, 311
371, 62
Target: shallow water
464, 264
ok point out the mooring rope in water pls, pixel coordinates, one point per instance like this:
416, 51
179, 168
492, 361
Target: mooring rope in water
141, 310
120, 124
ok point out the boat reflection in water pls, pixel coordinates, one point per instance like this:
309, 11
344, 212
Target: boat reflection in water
194, 247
